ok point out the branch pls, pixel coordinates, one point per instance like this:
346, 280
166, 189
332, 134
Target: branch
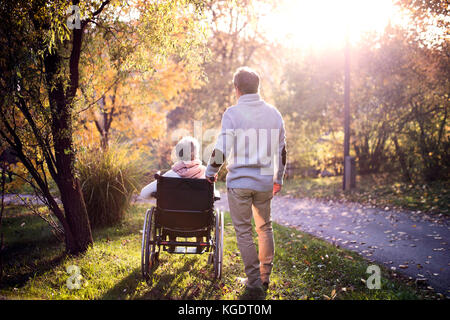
51, 162
99, 10
101, 96
94, 14
76, 53
57, 231
18, 148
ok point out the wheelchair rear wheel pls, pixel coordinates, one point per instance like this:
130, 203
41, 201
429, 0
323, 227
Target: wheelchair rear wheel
218, 245
149, 255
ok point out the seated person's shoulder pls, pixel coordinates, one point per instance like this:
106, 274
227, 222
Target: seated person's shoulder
171, 174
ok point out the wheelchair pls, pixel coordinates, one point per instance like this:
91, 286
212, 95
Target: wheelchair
184, 209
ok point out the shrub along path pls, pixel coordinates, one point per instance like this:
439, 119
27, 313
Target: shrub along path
416, 244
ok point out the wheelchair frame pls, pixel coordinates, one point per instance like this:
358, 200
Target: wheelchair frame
154, 236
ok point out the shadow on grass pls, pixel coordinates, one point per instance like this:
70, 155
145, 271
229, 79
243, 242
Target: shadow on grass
19, 279
162, 287
166, 284
29, 250
207, 290
126, 285
131, 225
253, 295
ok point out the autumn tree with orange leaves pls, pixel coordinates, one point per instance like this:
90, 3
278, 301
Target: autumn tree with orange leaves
133, 80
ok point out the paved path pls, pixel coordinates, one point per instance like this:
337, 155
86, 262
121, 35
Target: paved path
415, 244
13, 199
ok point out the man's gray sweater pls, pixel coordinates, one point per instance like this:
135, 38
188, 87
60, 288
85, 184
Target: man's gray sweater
253, 142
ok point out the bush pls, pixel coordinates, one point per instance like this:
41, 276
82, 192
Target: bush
108, 179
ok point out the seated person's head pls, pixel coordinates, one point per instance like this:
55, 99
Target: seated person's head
187, 149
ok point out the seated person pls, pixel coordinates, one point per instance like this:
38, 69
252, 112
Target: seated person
188, 165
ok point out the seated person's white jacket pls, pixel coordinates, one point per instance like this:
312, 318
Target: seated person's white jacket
147, 191
182, 169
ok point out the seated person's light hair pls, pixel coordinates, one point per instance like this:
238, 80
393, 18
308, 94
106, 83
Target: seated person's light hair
187, 149
187, 164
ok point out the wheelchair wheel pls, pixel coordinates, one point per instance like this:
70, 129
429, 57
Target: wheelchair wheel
218, 245
149, 255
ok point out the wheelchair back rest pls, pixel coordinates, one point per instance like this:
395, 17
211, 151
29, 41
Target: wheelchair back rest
184, 194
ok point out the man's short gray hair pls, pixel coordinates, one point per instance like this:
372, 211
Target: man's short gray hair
187, 149
246, 80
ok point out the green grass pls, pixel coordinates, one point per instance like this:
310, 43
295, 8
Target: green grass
304, 268
376, 190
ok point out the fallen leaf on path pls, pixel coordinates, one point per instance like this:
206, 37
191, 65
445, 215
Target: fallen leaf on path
333, 293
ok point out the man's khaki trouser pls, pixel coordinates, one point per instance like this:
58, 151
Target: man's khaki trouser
242, 203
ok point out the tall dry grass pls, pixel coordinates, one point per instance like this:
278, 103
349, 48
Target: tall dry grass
108, 179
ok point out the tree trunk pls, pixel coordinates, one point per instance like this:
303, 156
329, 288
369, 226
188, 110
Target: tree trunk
402, 160
79, 236
2, 208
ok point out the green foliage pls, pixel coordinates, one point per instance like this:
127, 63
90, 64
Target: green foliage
108, 179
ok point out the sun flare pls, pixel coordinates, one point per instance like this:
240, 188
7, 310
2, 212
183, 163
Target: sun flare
325, 23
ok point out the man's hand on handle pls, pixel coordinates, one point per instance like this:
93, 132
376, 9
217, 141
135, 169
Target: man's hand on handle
276, 188
212, 179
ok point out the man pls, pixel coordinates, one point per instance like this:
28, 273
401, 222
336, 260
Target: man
253, 134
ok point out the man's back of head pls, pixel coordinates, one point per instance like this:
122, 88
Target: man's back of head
246, 80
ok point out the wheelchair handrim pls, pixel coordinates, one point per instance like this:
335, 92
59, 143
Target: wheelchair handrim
144, 249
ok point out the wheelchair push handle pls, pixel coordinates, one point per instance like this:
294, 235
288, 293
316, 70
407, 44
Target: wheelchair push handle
216, 193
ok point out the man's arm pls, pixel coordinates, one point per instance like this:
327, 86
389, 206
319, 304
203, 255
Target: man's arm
222, 149
282, 156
